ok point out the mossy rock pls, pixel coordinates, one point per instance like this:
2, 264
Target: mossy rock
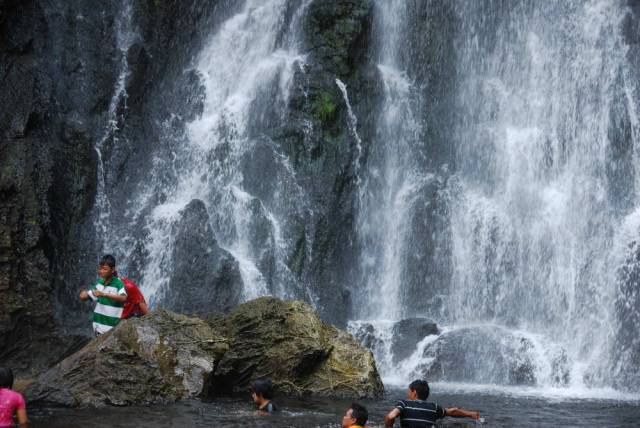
166, 357
287, 342
161, 357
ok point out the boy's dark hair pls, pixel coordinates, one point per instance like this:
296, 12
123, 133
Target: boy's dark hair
263, 387
6, 378
108, 260
359, 413
421, 387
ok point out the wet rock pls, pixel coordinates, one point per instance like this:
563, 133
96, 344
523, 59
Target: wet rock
164, 356
366, 334
453, 357
205, 278
287, 342
407, 333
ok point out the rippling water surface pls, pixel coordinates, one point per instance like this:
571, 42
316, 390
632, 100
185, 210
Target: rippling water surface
500, 408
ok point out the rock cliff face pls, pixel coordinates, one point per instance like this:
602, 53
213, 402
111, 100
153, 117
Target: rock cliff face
166, 356
72, 91
59, 67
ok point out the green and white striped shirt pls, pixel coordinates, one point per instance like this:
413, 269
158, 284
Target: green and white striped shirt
107, 312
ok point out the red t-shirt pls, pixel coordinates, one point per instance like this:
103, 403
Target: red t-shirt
134, 298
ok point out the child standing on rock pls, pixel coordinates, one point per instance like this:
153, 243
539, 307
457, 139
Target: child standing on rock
110, 295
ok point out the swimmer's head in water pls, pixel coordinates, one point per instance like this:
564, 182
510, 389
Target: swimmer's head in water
6, 378
418, 390
107, 266
356, 415
262, 389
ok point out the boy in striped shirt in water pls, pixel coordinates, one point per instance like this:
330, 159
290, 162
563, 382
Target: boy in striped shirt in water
109, 293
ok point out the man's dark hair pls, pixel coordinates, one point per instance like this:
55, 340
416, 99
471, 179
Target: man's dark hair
6, 378
263, 387
421, 387
359, 413
108, 260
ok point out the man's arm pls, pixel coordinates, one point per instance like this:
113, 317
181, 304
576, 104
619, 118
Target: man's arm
391, 418
461, 413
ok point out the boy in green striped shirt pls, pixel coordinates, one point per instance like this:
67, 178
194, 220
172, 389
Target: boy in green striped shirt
109, 293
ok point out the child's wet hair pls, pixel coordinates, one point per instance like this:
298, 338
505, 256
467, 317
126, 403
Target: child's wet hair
263, 387
6, 378
108, 260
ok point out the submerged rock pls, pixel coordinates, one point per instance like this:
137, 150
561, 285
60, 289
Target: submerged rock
407, 333
166, 357
287, 342
454, 357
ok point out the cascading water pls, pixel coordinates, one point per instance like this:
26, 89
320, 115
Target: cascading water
245, 69
539, 207
125, 37
542, 204
539, 201
393, 176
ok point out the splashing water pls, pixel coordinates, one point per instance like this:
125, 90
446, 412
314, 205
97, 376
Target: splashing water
238, 67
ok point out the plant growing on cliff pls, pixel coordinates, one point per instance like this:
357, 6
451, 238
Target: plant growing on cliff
324, 107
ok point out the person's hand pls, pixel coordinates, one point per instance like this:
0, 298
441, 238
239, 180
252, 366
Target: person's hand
475, 415
84, 295
98, 293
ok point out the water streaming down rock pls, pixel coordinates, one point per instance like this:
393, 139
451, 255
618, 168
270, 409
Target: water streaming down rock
542, 201
126, 36
541, 177
245, 71
470, 164
394, 178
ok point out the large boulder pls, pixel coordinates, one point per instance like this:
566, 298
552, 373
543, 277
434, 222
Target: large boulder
163, 356
287, 342
454, 357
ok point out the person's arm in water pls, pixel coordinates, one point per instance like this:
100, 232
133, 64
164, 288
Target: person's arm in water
121, 298
455, 412
390, 418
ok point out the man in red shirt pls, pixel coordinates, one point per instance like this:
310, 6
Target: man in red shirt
135, 306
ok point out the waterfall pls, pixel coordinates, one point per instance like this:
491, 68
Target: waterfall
245, 68
393, 177
125, 37
542, 203
522, 246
